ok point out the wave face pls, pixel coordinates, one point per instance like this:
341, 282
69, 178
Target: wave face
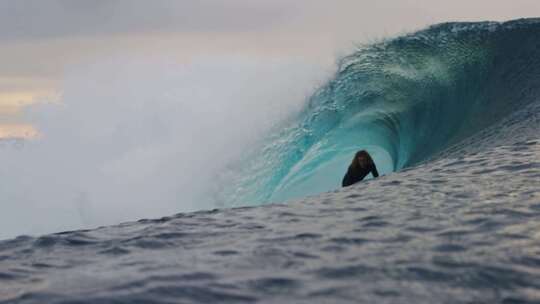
404, 100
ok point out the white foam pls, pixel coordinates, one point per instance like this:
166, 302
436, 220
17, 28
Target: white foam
136, 138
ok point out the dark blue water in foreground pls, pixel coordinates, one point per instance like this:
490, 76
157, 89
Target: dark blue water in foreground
460, 224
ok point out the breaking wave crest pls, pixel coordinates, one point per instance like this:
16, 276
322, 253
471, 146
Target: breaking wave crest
404, 100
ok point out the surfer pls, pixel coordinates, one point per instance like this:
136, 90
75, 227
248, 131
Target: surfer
361, 165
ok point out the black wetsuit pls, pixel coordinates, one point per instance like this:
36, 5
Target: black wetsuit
354, 175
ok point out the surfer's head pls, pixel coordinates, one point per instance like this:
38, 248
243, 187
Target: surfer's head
362, 159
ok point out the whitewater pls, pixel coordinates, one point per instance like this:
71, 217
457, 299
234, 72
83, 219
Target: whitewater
451, 115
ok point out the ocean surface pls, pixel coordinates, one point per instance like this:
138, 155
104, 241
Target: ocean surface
451, 115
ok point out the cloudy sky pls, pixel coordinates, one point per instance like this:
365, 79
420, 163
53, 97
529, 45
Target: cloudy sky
40, 39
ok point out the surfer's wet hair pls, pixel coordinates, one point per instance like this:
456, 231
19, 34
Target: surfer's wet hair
362, 159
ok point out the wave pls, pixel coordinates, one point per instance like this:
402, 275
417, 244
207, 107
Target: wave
405, 100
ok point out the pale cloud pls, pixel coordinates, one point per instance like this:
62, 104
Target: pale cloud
17, 131
41, 39
38, 19
24, 20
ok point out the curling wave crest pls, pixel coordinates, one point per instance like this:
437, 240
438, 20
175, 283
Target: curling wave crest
404, 100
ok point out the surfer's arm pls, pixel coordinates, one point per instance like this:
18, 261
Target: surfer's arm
346, 180
374, 171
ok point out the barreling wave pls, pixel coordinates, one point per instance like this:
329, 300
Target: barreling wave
404, 100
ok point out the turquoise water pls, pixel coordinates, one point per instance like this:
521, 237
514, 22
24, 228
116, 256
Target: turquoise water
403, 100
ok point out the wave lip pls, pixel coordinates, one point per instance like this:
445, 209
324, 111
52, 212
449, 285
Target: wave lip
405, 100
